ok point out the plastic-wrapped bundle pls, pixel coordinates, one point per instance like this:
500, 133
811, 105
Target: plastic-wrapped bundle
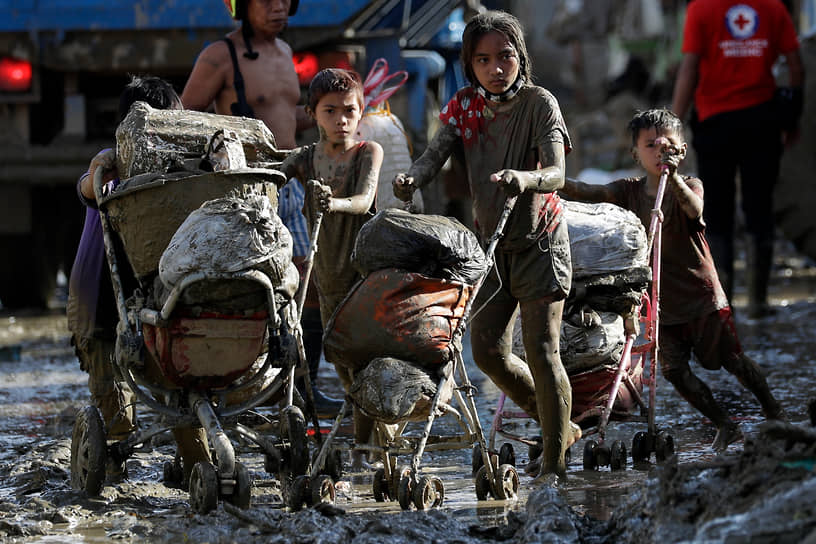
228, 235
392, 391
432, 245
589, 339
604, 239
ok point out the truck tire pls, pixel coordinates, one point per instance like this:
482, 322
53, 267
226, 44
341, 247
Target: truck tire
795, 193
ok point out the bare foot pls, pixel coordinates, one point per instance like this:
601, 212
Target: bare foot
549, 479
534, 466
727, 434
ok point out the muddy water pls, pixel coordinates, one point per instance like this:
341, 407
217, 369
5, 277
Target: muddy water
41, 386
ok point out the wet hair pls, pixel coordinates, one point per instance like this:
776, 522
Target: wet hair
334, 80
660, 118
157, 92
495, 21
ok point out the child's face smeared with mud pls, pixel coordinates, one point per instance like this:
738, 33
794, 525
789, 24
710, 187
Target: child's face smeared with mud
495, 62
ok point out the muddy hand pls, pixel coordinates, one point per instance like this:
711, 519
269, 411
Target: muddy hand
404, 187
511, 181
321, 196
106, 160
670, 154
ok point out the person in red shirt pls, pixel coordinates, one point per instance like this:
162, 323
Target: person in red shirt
740, 123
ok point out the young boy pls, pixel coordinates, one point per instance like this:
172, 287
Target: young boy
91, 308
694, 313
347, 171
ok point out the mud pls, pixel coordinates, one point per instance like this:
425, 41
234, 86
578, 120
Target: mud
760, 490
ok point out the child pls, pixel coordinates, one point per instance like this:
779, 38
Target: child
514, 141
91, 308
694, 312
347, 171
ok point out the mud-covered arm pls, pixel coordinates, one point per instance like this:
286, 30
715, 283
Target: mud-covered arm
370, 172
424, 169
587, 192
105, 159
545, 180
689, 200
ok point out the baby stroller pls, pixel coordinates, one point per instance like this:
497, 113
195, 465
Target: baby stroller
203, 349
602, 349
399, 377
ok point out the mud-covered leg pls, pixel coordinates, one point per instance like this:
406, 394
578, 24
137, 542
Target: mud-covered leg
750, 376
192, 447
491, 340
698, 394
541, 325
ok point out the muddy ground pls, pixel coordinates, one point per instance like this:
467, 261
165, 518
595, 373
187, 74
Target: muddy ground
760, 490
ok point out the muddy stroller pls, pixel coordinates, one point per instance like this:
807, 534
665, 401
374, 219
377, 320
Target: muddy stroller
601, 346
400, 331
206, 336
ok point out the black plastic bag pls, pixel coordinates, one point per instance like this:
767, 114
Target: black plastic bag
432, 245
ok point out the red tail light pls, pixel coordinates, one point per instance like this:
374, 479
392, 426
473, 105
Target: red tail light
15, 75
306, 66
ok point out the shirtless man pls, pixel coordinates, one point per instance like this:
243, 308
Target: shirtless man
264, 86
269, 80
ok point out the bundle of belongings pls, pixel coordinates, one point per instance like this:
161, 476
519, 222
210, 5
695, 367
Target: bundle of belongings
395, 329
611, 273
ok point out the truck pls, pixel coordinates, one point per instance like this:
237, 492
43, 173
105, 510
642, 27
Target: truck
63, 64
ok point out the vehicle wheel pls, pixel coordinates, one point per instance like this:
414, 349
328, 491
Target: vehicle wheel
405, 491
300, 493
507, 483
88, 452
203, 487
535, 450
590, 460
482, 482
293, 430
476, 460
617, 457
380, 486
428, 493
242, 492
506, 454
323, 490
640, 447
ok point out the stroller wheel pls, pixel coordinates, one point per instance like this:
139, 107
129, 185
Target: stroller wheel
482, 482
405, 489
300, 493
641, 447
590, 458
293, 430
428, 493
323, 490
617, 457
664, 447
507, 483
380, 486
88, 452
506, 454
242, 492
476, 460
203, 487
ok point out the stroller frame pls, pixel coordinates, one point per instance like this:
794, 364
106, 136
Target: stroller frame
181, 407
597, 453
407, 485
